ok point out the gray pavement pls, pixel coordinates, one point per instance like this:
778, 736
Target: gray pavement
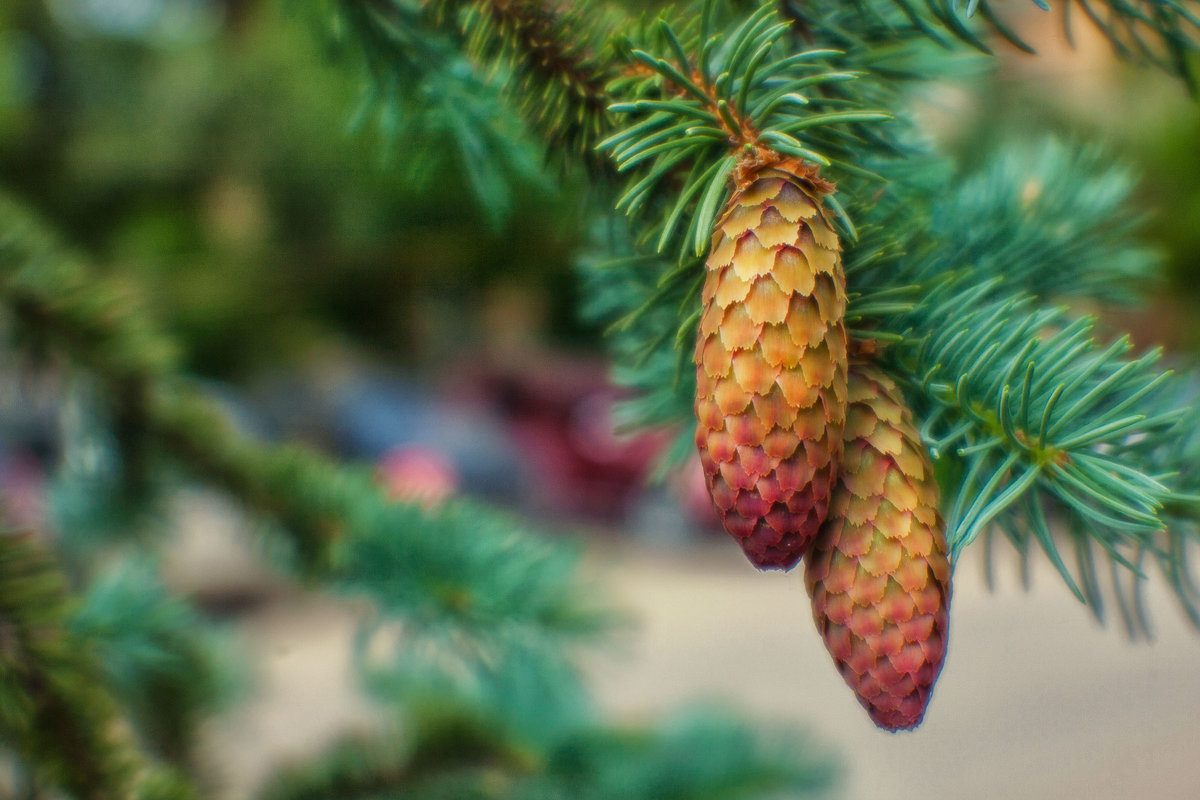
1037, 700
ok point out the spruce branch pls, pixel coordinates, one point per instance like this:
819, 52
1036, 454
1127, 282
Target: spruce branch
946, 278
476, 566
58, 305
430, 97
306, 494
559, 62
1165, 33
1042, 432
1027, 397
54, 707
699, 753
863, 24
704, 106
165, 664
460, 566
1079, 224
458, 760
1054, 219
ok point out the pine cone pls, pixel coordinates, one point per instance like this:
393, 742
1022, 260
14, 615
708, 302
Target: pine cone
878, 573
771, 366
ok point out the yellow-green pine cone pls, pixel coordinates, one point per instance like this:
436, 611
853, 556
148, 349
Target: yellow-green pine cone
771, 365
878, 573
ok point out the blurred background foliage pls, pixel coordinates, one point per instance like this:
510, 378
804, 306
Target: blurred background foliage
1079, 91
208, 148
205, 148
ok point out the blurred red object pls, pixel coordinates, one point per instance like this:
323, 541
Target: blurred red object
417, 474
559, 410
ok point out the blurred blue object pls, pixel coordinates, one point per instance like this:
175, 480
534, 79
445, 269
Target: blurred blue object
372, 416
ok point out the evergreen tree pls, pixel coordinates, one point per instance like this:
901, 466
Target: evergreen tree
786, 216
847, 327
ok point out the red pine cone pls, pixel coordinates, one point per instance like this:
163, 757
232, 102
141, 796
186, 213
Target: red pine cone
771, 366
878, 573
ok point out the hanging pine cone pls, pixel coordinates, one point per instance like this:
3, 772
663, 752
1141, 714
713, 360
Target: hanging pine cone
878, 573
771, 364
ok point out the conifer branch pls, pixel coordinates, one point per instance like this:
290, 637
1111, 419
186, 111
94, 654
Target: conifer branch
560, 61
430, 97
1027, 408
1165, 33
166, 665
460, 757
54, 707
291, 485
333, 515
58, 306
709, 109
467, 584
941, 279
458, 566
1079, 224
362, 769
